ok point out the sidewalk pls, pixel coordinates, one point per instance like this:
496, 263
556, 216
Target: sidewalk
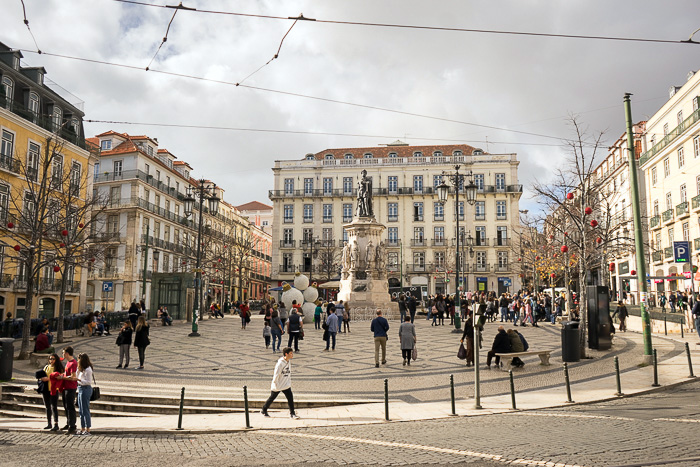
671, 372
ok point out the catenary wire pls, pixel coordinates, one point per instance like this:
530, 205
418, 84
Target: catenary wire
165, 38
273, 57
26, 22
430, 28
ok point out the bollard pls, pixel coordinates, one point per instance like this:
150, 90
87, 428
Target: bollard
182, 405
568, 385
245, 405
452, 393
386, 400
512, 389
682, 322
690, 362
656, 372
665, 330
617, 376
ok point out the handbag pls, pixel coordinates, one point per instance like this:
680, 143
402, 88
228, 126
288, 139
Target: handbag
462, 352
325, 335
95, 390
414, 353
301, 335
120, 339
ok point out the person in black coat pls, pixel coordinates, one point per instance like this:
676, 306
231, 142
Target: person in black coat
412, 305
141, 340
501, 344
134, 313
468, 335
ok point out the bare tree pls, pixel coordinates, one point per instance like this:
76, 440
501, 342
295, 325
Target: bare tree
328, 260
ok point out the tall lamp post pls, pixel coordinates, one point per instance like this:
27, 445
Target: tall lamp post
456, 179
203, 190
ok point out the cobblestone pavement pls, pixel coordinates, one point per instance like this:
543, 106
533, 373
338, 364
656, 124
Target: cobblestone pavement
226, 357
655, 429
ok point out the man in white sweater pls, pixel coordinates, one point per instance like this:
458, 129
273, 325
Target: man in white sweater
282, 382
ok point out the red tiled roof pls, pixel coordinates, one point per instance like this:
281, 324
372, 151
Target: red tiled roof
254, 206
401, 151
165, 151
112, 132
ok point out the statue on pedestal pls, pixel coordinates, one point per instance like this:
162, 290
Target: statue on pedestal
369, 256
364, 196
381, 259
354, 255
345, 258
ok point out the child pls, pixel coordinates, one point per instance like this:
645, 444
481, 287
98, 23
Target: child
267, 333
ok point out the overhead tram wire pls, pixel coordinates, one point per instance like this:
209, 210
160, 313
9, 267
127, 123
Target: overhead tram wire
428, 28
273, 57
167, 31
318, 133
26, 22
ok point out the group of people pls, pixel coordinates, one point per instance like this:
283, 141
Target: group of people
68, 377
139, 336
96, 324
678, 301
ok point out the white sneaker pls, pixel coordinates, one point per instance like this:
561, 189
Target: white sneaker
294, 416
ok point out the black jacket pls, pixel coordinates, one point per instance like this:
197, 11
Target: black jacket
468, 329
126, 336
141, 337
412, 304
501, 343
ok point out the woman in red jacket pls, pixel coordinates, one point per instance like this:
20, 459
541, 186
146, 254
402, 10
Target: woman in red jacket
245, 314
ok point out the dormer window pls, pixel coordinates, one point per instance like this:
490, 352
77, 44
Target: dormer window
149, 150
437, 154
34, 103
310, 157
417, 154
348, 156
15, 62
457, 153
329, 157
478, 152
106, 145
368, 155
392, 155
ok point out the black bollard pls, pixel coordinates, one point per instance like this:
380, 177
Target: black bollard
656, 372
182, 405
682, 322
690, 362
617, 376
512, 389
245, 405
386, 399
568, 384
665, 330
452, 394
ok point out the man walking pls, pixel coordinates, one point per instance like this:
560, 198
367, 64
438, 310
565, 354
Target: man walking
379, 327
339, 310
412, 305
294, 327
69, 389
282, 382
332, 323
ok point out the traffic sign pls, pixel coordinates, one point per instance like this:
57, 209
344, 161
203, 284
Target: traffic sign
107, 286
681, 252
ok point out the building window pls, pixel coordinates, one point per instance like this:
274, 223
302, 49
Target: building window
393, 184
347, 212
669, 201
684, 193
656, 207
501, 235
308, 186
501, 182
417, 154
7, 149
480, 210
418, 183
437, 180
9, 86
327, 213
33, 155
686, 231
4, 201
419, 261
348, 156
392, 261
665, 129
670, 237
667, 167
393, 235
696, 146
393, 212
697, 184
34, 104
308, 213
287, 236
347, 185
106, 145
288, 213
392, 155
679, 117
345, 235
57, 171
500, 210
75, 176
502, 259
460, 210
288, 186
438, 211
654, 176
57, 118
417, 212
418, 235
480, 261
439, 235
480, 237
478, 181
118, 168
439, 257
681, 158
328, 186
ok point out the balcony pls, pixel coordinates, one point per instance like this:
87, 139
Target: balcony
481, 241
418, 218
439, 217
287, 268
288, 243
104, 237
308, 220
288, 220
682, 210
417, 267
461, 217
657, 257
655, 222
695, 203
668, 252
393, 242
9, 163
5, 281
347, 219
670, 137
480, 267
391, 218
502, 268
418, 242
439, 242
327, 219
327, 243
500, 241
667, 215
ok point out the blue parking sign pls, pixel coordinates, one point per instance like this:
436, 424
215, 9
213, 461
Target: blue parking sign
107, 286
681, 252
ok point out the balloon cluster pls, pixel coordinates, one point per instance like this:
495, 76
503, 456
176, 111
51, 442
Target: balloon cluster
303, 293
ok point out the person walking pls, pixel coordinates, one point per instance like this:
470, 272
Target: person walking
379, 327
70, 388
621, 312
134, 313
317, 315
346, 320
84, 378
51, 388
124, 342
412, 305
276, 331
407, 338
294, 327
339, 313
696, 315
284, 314
282, 382
403, 308
468, 335
245, 314
332, 324
141, 340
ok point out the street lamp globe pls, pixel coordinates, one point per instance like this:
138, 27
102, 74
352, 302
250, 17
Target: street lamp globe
189, 204
442, 190
213, 204
470, 191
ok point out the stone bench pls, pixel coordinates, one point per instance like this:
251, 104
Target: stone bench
40, 359
543, 354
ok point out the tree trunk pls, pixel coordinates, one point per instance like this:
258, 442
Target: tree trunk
582, 308
27, 328
61, 307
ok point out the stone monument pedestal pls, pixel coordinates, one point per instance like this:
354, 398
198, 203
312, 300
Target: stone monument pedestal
363, 282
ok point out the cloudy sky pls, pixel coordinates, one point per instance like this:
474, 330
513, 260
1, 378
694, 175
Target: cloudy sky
527, 84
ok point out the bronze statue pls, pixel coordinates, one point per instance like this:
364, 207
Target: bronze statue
364, 196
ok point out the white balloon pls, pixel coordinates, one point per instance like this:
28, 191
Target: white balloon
291, 295
301, 282
311, 294
308, 308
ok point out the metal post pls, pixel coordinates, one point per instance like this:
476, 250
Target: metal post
145, 263
656, 371
245, 405
568, 384
198, 269
457, 256
182, 404
665, 329
477, 384
452, 394
638, 238
690, 362
617, 376
386, 399
512, 389
682, 323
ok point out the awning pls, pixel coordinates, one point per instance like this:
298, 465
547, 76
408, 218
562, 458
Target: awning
330, 285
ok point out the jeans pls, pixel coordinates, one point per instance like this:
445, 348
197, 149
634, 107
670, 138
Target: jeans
346, 326
293, 336
273, 395
403, 315
51, 404
142, 355
379, 342
555, 314
317, 322
69, 406
124, 352
548, 313
504, 313
413, 315
673, 307
276, 337
331, 336
84, 393
697, 325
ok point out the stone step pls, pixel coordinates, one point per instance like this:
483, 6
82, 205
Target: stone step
10, 387
40, 411
20, 414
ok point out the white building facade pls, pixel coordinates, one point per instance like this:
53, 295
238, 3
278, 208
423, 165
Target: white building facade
314, 197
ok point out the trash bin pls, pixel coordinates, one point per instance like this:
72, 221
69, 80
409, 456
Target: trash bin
570, 342
7, 353
458, 321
